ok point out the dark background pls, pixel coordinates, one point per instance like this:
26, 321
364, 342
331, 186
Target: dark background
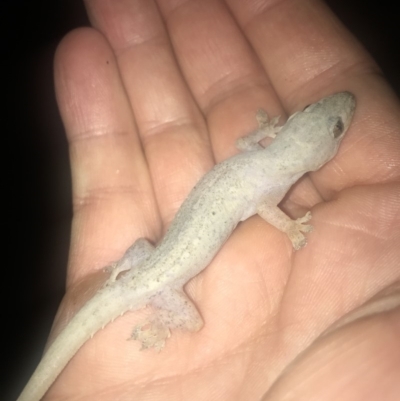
37, 176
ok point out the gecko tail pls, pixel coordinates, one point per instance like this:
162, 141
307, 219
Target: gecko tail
105, 306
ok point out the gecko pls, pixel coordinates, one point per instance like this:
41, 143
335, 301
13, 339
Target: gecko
251, 182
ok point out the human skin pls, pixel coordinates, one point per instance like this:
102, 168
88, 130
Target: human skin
151, 98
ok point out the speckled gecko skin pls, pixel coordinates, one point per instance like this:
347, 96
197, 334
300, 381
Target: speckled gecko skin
252, 182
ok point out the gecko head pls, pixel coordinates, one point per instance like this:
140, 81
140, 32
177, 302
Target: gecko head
330, 118
340, 106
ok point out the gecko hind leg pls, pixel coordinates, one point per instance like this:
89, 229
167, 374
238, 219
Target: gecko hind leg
266, 128
173, 310
132, 258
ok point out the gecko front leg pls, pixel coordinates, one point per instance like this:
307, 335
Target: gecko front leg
266, 128
293, 228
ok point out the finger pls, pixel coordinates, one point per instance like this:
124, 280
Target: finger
308, 54
173, 132
113, 199
221, 69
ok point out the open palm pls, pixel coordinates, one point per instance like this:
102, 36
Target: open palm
152, 98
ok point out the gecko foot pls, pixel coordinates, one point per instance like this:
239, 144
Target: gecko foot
297, 228
151, 334
265, 123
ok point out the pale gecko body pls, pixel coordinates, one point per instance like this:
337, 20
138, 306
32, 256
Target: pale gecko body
252, 182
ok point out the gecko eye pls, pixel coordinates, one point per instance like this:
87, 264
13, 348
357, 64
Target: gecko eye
338, 128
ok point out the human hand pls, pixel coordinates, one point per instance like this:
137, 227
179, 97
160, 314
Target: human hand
149, 108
